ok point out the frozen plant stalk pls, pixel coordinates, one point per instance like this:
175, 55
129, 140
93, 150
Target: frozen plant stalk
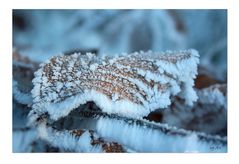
129, 85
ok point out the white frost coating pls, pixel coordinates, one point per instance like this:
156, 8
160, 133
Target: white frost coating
115, 97
143, 139
186, 71
67, 141
22, 98
125, 108
131, 85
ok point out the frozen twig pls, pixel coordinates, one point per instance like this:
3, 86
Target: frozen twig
136, 134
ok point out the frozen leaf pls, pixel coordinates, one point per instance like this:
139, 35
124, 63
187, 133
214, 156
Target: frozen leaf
129, 85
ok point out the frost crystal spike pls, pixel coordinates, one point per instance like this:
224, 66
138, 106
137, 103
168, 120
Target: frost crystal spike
151, 136
130, 85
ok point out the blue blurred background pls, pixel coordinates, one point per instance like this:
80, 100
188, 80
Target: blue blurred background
40, 34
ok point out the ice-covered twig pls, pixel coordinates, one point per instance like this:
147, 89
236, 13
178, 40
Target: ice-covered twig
162, 139
138, 134
130, 85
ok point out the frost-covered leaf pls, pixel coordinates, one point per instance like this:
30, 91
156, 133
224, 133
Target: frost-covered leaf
130, 85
